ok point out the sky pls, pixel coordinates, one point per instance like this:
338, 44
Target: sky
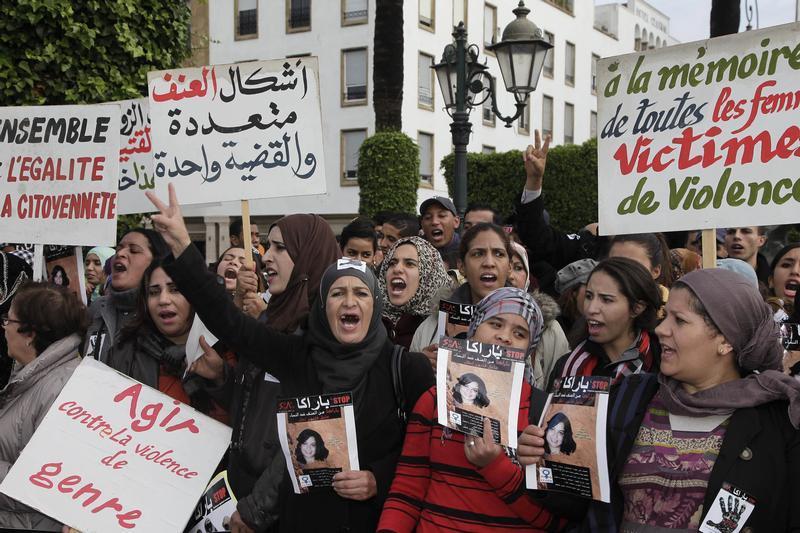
689, 18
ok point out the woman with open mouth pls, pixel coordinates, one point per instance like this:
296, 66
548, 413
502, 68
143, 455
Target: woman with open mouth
711, 441
620, 308
410, 276
785, 278
343, 348
449, 481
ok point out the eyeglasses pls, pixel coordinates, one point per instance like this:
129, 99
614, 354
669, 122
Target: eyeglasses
5, 320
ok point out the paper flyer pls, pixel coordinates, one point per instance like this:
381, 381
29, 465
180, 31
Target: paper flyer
454, 319
318, 438
475, 381
574, 419
215, 508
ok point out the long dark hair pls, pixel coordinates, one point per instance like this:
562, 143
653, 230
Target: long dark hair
321, 452
568, 445
637, 285
481, 399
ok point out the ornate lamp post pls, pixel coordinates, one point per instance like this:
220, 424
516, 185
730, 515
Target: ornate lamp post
465, 83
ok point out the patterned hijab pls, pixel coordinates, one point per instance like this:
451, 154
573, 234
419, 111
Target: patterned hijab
432, 277
514, 301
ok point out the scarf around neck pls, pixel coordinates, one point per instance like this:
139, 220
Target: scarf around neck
585, 358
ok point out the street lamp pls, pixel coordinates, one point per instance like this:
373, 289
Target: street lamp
466, 83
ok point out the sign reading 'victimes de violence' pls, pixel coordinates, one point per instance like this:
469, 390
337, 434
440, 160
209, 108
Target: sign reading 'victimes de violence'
701, 135
115, 455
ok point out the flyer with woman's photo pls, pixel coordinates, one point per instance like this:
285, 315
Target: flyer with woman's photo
64, 267
574, 420
318, 438
476, 381
215, 508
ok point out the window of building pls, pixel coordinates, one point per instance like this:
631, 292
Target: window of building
592, 124
246, 22
569, 64
354, 76
565, 5
425, 81
595, 59
425, 142
550, 59
486, 149
489, 25
298, 15
460, 12
354, 12
569, 124
487, 113
350, 143
525, 118
427, 14
547, 115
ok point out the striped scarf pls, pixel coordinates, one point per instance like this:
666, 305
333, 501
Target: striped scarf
586, 356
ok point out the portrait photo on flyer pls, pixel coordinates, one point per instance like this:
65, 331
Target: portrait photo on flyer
475, 381
574, 420
318, 439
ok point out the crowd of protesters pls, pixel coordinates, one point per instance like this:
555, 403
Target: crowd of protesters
703, 363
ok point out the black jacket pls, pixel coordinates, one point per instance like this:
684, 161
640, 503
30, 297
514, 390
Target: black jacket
379, 430
760, 454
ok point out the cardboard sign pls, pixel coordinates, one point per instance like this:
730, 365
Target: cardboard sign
238, 132
136, 158
58, 174
701, 135
115, 455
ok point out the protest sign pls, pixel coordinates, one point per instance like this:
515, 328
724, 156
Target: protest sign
58, 174
574, 420
482, 381
215, 508
64, 267
135, 158
454, 318
701, 135
237, 132
115, 455
318, 438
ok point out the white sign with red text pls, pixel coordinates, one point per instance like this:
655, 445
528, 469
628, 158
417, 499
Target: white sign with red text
238, 132
115, 455
58, 174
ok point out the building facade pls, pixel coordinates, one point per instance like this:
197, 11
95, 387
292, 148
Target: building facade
340, 33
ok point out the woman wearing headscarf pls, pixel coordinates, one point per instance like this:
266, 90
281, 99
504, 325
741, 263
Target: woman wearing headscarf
43, 328
411, 274
299, 250
344, 348
712, 440
446, 480
94, 270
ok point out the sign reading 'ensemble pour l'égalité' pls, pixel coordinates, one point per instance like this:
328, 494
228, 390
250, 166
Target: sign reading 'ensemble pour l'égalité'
701, 135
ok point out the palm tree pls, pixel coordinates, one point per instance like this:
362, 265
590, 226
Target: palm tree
725, 15
387, 65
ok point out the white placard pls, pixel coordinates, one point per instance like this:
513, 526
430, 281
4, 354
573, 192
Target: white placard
136, 158
58, 174
147, 457
237, 132
701, 135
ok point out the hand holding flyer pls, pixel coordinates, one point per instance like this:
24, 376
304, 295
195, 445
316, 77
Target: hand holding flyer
574, 423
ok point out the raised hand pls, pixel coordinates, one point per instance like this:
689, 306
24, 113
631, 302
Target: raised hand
169, 222
535, 159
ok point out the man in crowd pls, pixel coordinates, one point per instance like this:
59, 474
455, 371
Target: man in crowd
480, 213
395, 227
744, 243
255, 237
358, 241
439, 224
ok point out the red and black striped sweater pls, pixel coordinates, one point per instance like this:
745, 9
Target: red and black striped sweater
437, 489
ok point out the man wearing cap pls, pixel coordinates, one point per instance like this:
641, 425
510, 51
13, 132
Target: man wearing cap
439, 224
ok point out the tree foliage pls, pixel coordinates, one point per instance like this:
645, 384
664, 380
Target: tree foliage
91, 51
570, 182
388, 173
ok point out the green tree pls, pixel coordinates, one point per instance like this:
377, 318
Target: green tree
388, 173
387, 65
91, 51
